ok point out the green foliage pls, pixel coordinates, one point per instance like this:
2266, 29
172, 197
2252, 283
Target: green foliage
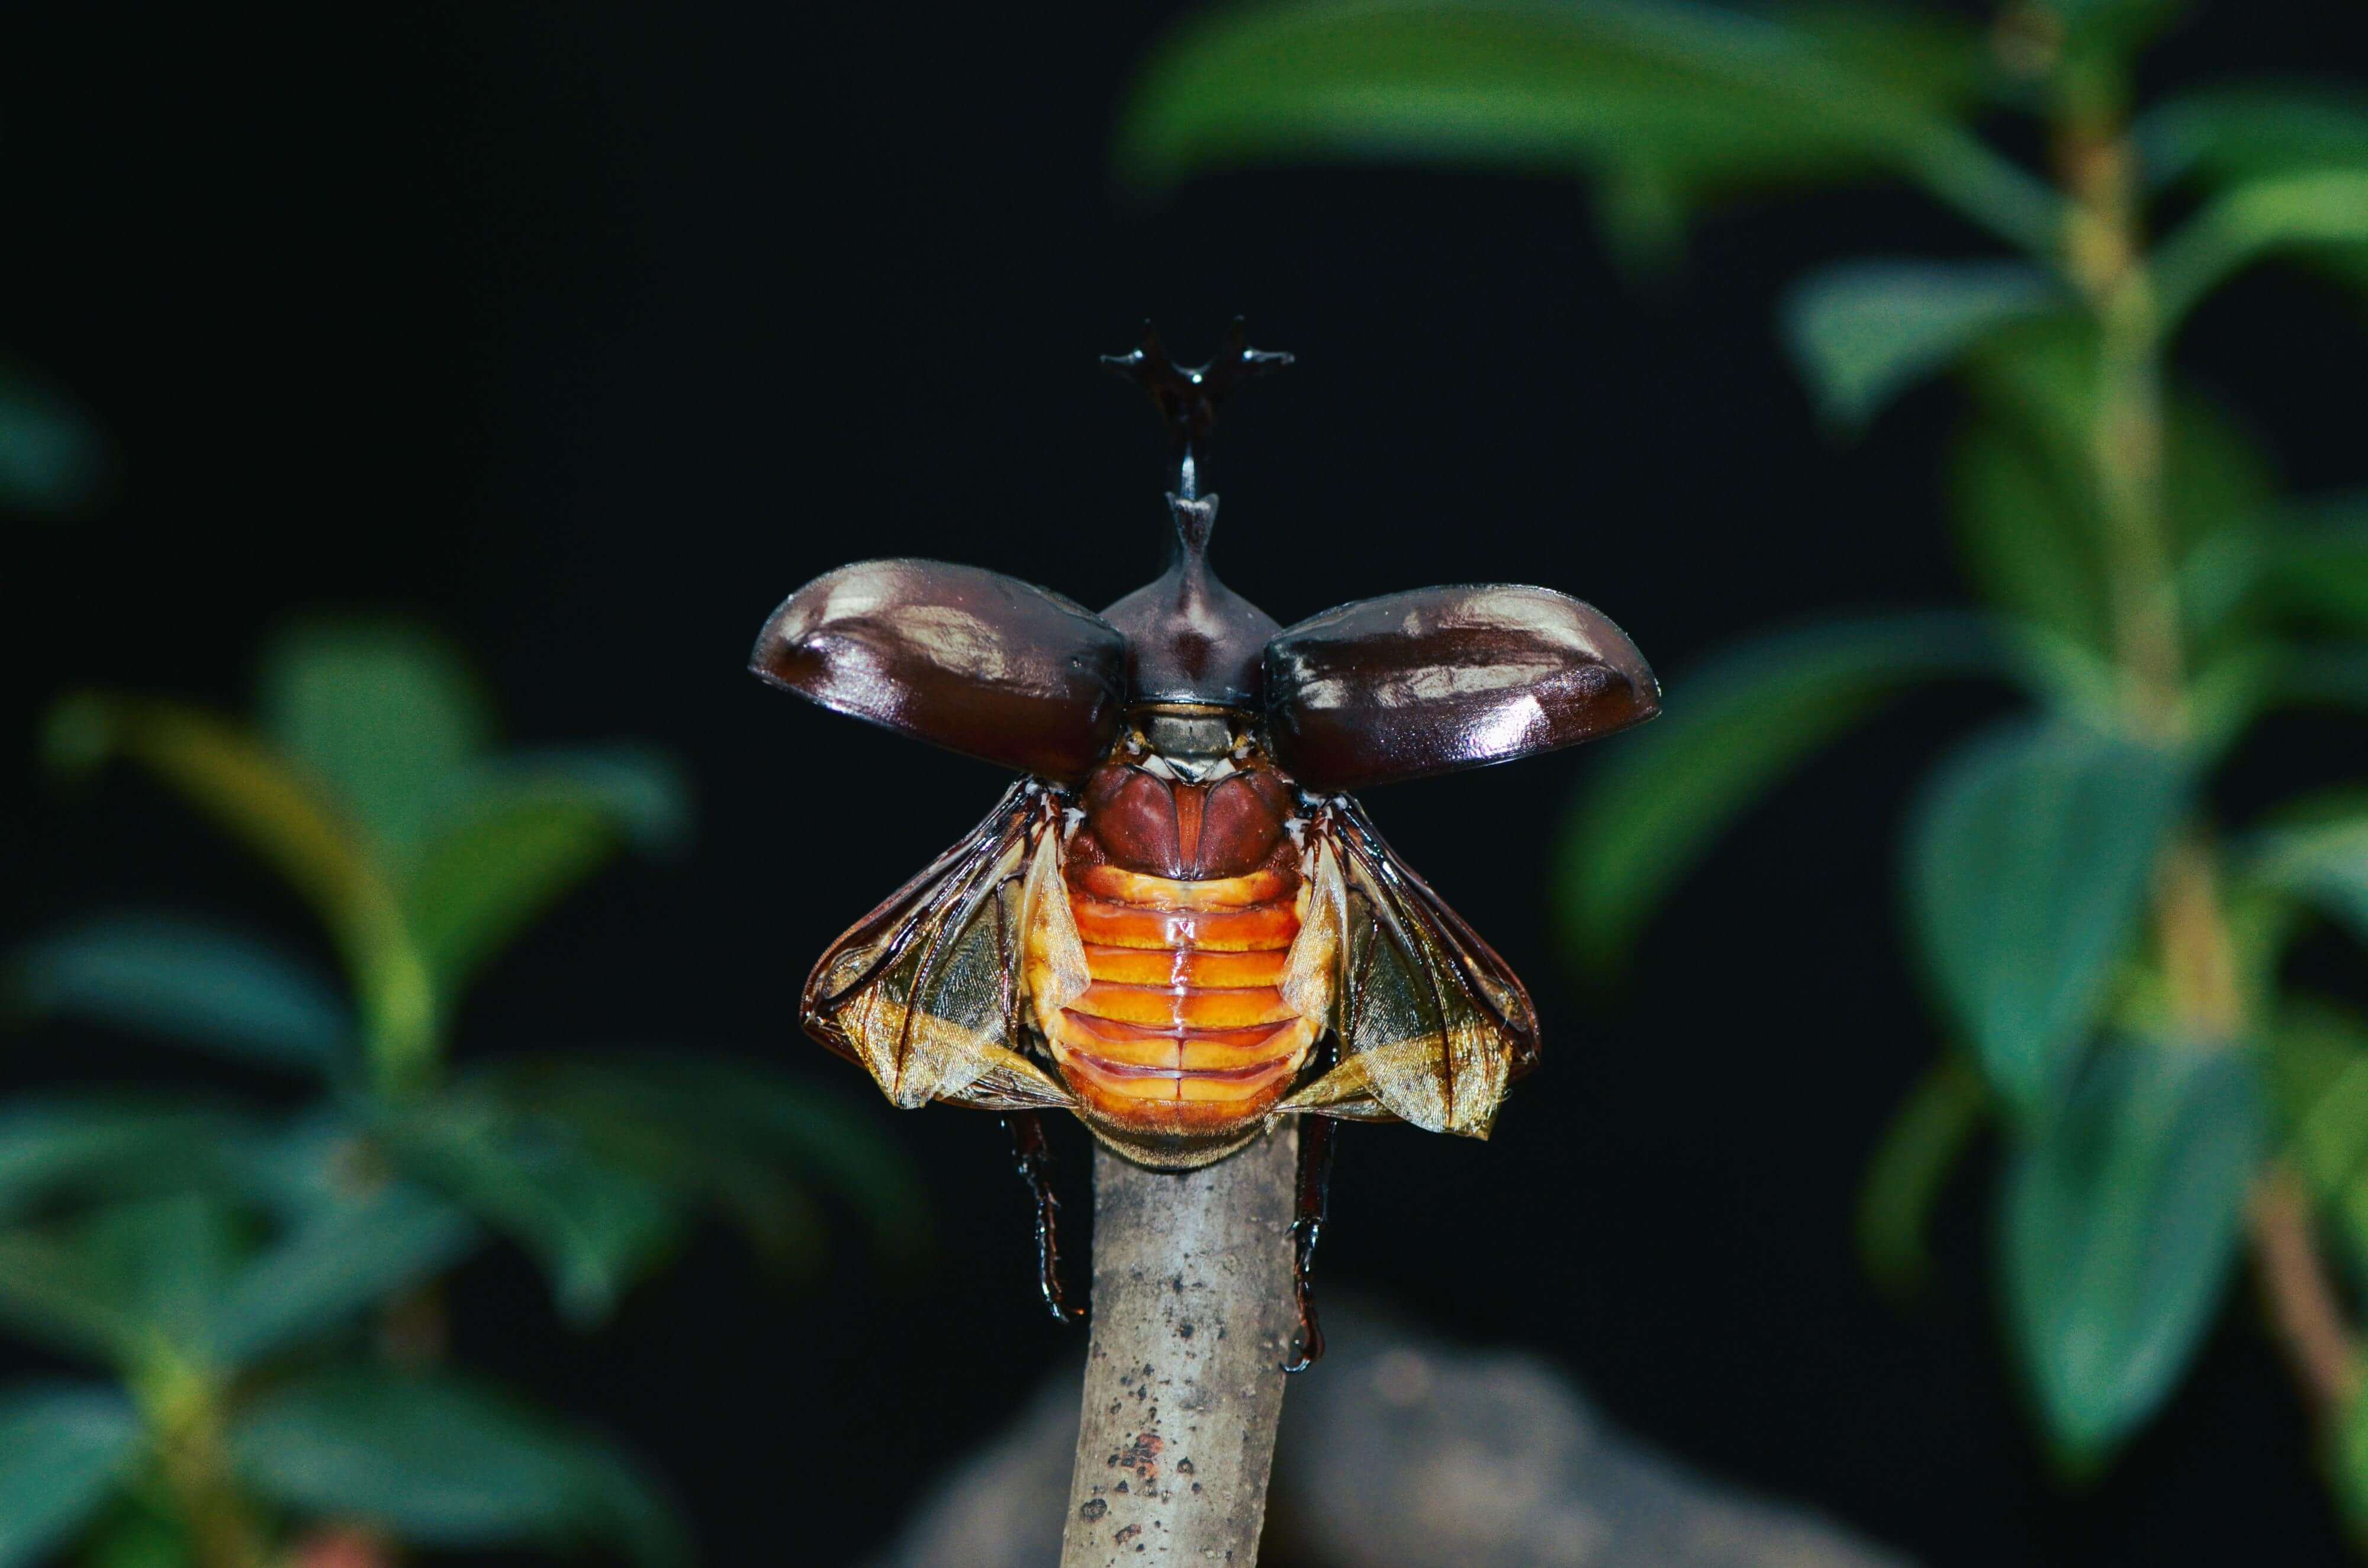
448, 1463
63, 1448
1926, 1139
1742, 724
1672, 103
195, 984
52, 458
1866, 331
202, 1253
2028, 864
2123, 1214
2106, 957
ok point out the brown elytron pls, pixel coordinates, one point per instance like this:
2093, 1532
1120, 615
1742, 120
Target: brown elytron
1180, 925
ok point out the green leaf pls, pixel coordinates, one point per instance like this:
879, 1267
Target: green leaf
121, 1282
69, 1149
195, 984
2312, 210
140, 1534
52, 458
1730, 730
449, 1464
2028, 859
1864, 331
1927, 1138
168, 1259
2310, 564
55, 1291
2348, 1463
2031, 526
523, 835
282, 816
2324, 862
2121, 1219
732, 1134
2328, 676
2318, 1059
595, 1226
333, 1265
63, 1448
1690, 99
385, 716
2223, 136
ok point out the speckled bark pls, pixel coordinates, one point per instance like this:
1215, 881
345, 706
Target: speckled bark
1191, 1320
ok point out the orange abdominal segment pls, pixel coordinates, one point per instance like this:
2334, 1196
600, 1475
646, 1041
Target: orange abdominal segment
1183, 1030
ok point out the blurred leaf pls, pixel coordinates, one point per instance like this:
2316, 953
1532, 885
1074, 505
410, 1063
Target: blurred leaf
334, 1266
2227, 135
2317, 1061
275, 813
385, 716
64, 1448
1692, 100
137, 1536
228, 995
2111, 28
53, 1291
112, 1148
523, 835
1731, 729
2323, 210
2029, 525
2028, 859
167, 1260
594, 1226
2324, 862
1863, 331
2348, 1463
448, 1463
1927, 1135
2122, 1218
52, 458
2330, 675
731, 1134
223, 772
2023, 534
2311, 563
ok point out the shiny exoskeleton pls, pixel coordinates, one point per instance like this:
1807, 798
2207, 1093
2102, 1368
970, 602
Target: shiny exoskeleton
1179, 925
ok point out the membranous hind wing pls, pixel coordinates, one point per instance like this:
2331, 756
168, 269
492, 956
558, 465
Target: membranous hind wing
924, 992
1431, 1026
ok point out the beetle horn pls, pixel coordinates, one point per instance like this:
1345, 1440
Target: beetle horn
1188, 395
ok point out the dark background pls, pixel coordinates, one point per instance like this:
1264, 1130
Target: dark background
586, 331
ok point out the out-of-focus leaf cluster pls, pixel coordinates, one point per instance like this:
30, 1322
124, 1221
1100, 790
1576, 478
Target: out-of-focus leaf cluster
259, 1290
2107, 957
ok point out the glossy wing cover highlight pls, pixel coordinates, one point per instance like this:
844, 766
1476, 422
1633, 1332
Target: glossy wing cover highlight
956, 655
1437, 679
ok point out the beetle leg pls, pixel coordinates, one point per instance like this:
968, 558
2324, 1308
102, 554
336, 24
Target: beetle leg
1033, 1159
1314, 1204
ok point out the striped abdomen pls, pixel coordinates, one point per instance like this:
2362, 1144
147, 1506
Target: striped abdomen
1186, 900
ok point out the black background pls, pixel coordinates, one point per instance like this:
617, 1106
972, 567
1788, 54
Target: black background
586, 331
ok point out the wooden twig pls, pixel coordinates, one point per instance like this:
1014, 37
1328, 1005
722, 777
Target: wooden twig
1192, 1319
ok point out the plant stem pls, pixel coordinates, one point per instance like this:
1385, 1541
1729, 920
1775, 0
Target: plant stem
2104, 254
1191, 1320
2301, 1299
183, 1406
